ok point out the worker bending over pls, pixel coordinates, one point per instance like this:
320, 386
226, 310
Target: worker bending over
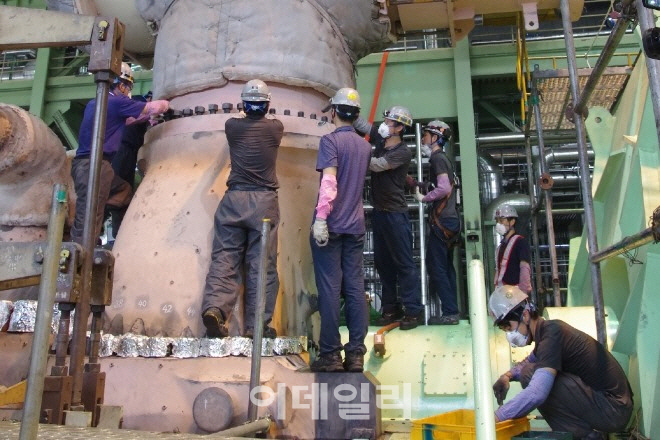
572, 379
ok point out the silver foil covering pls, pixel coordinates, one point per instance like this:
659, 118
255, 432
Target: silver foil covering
185, 347
131, 345
109, 345
5, 312
25, 314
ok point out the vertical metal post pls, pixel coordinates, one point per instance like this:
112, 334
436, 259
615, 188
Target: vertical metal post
422, 229
585, 181
534, 214
483, 394
647, 21
255, 369
39, 353
547, 194
89, 239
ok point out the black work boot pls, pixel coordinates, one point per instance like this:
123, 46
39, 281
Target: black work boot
214, 323
409, 322
268, 333
444, 320
354, 362
327, 363
389, 317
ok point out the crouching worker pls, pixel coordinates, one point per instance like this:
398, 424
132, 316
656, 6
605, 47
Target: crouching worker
573, 380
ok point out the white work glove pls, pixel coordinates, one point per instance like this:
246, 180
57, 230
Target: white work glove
320, 232
418, 195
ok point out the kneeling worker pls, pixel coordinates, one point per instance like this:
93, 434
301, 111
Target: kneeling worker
573, 380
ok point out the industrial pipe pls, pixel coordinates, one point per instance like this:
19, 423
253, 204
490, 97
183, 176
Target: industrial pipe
547, 194
78, 344
531, 188
604, 59
244, 430
40, 340
518, 138
422, 229
255, 369
628, 243
646, 20
483, 393
585, 182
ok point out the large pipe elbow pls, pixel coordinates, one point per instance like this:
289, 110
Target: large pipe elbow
32, 160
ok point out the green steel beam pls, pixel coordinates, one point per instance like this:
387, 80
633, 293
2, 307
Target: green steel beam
504, 119
37, 98
64, 127
469, 167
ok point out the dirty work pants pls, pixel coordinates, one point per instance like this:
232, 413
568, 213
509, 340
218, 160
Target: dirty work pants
394, 262
236, 247
108, 184
338, 270
573, 406
440, 267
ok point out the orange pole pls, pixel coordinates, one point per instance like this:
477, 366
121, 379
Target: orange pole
379, 82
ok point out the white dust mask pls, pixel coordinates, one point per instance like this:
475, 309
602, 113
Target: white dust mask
501, 229
384, 130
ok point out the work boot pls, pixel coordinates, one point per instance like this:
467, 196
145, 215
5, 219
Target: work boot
214, 323
444, 320
409, 322
269, 332
354, 362
389, 317
327, 363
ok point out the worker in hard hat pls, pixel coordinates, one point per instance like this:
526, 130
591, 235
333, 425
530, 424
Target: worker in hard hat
513, 253
573, 380
121, 111
392, 234
254, 140
444, 223
337, 238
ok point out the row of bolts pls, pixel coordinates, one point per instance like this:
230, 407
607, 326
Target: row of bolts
226, 108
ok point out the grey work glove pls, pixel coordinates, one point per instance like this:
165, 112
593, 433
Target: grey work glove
500, 388
320, 232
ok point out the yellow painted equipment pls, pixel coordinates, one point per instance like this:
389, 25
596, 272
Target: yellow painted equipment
460, 425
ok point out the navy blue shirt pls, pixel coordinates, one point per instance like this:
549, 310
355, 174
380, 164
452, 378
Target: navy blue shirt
350, 154
520, 252
120, 108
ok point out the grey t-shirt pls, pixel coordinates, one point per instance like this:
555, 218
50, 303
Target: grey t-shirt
253, 143
388, 187
440, 164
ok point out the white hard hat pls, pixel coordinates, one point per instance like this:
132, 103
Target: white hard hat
503, 300
438, 128
344, 96
505, 211
126, 73
399, 114
255, 90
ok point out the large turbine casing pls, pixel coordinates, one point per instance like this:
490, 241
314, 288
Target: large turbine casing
163, 248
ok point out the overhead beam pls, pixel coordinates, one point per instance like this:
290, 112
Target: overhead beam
22, 28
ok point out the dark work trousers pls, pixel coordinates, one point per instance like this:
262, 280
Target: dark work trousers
108, 181
338, 270
440, 266
394, 262
237, 239
572, 406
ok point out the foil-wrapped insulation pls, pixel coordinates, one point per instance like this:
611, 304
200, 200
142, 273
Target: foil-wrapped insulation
132, 345
6, 308
25, 314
